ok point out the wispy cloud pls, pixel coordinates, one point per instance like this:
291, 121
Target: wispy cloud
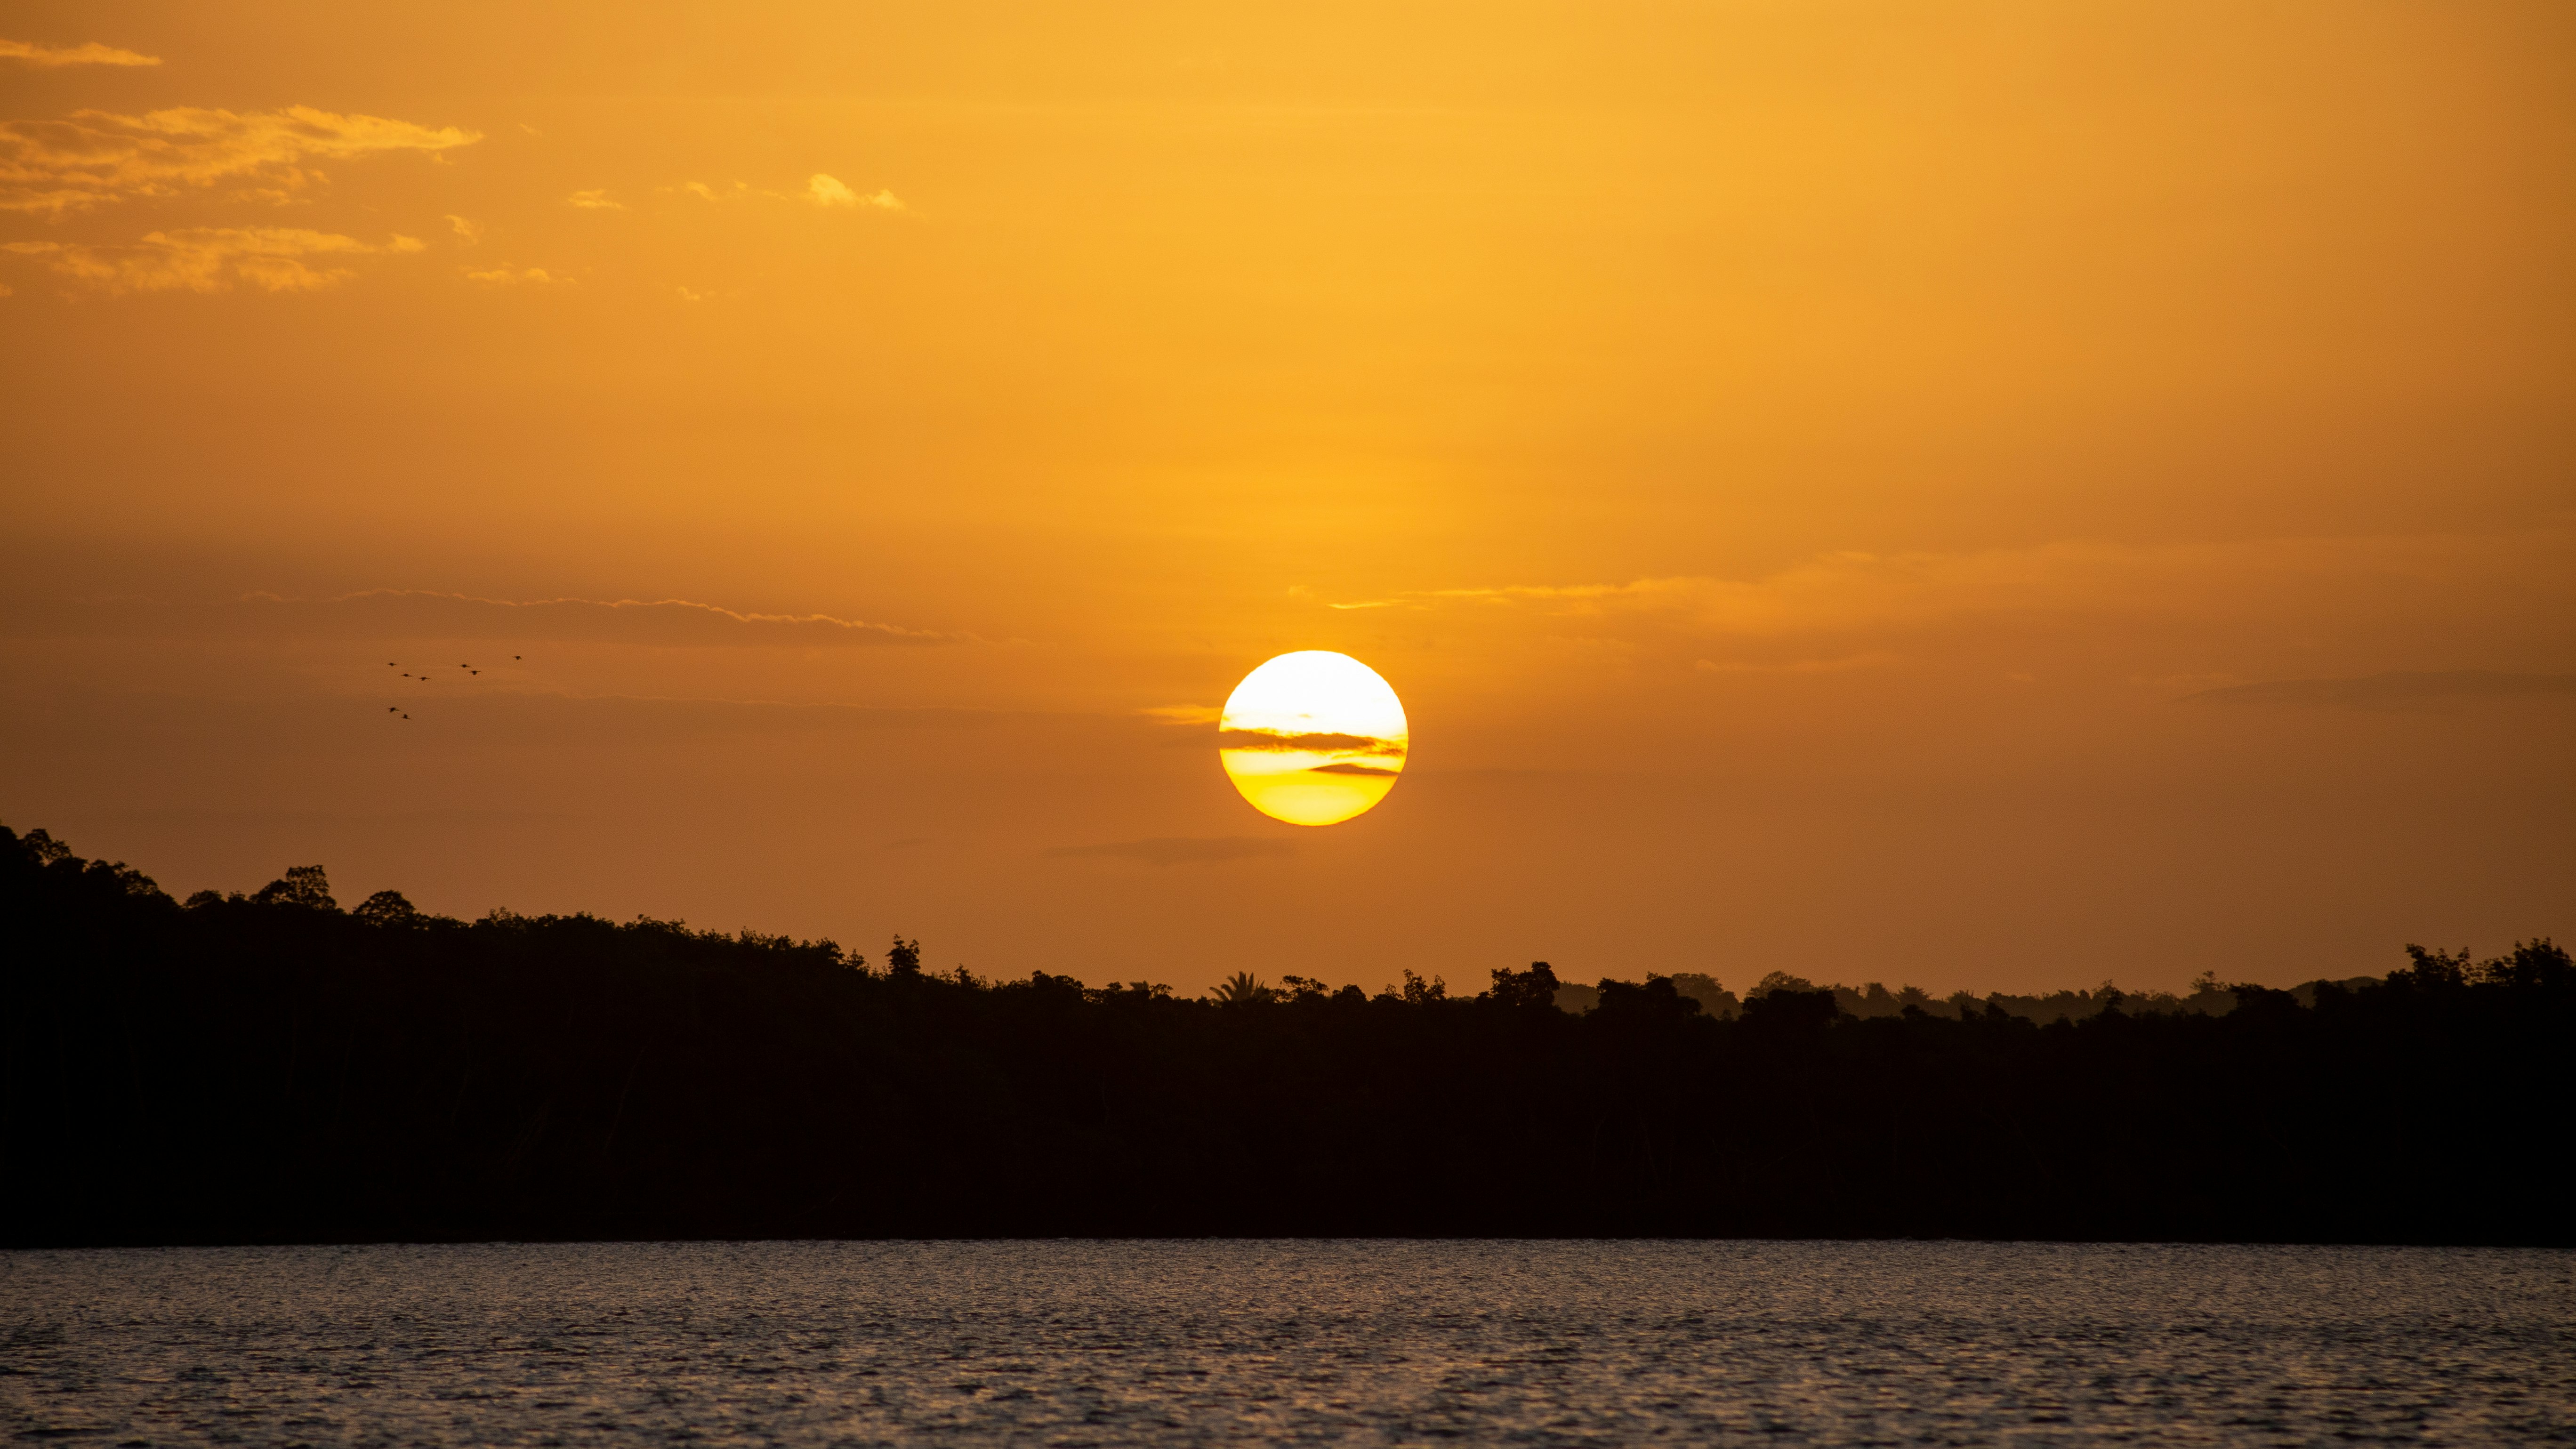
466, 231
212, 259
1184, 714
739, 191
830, 191
595, 199
27, 52
1177, 850
505, 276
2395, 691
96, 158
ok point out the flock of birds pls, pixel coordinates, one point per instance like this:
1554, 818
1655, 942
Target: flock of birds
470, 670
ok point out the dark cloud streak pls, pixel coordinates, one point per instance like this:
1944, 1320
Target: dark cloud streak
1171, 850
2393, 691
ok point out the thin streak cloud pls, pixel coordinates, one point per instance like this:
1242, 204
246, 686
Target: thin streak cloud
48, 57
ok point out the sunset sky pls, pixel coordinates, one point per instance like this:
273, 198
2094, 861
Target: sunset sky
1990, 496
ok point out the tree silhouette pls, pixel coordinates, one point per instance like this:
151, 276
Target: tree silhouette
303, 886
267, 1068
387, 908
1241, 989
1528, 990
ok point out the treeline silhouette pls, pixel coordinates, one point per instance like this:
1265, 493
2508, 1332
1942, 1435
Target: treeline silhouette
272, 1068
2208, 997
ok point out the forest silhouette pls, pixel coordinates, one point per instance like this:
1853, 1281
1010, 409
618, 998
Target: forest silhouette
272, 1068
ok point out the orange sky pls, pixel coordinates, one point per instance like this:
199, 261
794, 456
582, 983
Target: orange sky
1982, 496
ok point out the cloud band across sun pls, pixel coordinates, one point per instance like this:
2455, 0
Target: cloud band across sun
1313, 738
1311, 743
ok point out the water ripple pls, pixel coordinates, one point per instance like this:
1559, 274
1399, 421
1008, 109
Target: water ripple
1322, 1342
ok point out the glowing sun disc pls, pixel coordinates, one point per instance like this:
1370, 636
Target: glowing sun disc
1312, 738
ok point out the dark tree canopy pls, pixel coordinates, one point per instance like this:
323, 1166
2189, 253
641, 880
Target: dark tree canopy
302, 885
268, 1067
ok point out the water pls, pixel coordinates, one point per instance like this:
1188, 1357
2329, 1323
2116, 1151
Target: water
1106, 1343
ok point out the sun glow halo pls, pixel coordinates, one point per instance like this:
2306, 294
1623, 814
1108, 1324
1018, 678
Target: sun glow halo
1313, 738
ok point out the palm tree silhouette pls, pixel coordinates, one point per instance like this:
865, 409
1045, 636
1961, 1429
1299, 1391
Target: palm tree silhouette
1242, 987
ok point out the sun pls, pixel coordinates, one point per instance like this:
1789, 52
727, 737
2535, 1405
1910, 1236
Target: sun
1313, 738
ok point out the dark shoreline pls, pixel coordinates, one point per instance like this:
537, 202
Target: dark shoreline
273, 1070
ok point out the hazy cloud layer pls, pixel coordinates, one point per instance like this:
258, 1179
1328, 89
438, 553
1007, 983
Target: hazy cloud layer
1174, 850
212, 259
501, 710
1870, 660
95, 158
91, 53
1859, 595
404, 613
421, 614
2395, 691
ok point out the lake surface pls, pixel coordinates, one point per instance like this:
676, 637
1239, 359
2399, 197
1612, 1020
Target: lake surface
1108, 1343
